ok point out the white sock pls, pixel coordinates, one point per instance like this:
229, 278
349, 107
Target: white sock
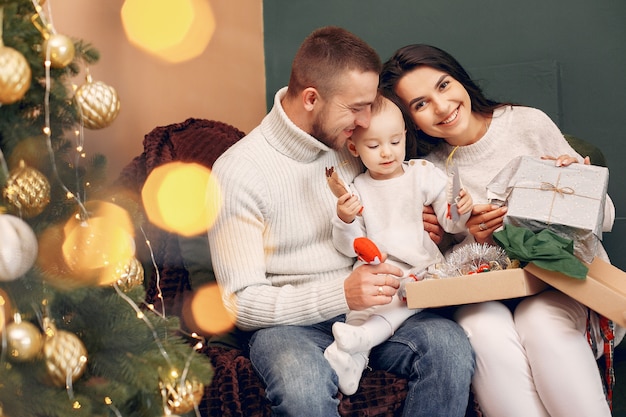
352, 339
348, 367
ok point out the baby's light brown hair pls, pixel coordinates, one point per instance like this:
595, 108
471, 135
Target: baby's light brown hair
378, 105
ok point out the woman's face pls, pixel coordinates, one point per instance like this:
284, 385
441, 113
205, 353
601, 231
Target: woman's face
439, 105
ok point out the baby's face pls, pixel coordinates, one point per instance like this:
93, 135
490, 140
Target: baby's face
381, 146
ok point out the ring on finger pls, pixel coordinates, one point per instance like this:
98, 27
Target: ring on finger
482, 226
380, 290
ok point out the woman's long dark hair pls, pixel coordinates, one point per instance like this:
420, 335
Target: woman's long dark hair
407, 59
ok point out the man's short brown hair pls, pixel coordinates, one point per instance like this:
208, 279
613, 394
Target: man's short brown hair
325, 54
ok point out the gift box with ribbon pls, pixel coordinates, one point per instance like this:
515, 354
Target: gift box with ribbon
569, 201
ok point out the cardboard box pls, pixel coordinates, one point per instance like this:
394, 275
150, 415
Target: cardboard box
467, 289
604, 289
567, 200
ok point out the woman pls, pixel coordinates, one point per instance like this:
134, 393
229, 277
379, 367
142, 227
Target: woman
533, 358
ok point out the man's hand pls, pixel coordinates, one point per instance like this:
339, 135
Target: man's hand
431, 225
370, 285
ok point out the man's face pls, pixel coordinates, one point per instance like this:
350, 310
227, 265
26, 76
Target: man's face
348, 108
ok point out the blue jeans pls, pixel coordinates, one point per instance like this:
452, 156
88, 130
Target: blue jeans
431, 351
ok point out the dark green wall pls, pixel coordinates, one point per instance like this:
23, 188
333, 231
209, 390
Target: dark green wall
567, 57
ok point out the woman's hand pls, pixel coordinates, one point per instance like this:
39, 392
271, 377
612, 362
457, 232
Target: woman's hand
484, 220
565, 160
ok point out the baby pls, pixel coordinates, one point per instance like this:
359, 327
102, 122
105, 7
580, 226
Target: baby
385, 205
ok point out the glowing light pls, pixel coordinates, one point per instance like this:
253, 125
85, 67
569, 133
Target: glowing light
50, 260
5, 309
78, 252
206, 314
175, 198
173, 31
102, 240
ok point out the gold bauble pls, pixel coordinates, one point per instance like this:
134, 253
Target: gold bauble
65, 355
33, 150
61, 50
25, 341
182, 397
27, 191
127, 275
98, 104
15, 75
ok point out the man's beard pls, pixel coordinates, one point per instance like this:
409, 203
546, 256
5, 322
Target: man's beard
319, 132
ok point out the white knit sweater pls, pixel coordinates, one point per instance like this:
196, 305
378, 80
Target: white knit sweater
271, 245
514, 131
392, 216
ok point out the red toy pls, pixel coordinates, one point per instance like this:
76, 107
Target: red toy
367, 251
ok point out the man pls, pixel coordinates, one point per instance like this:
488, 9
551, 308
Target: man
274, 257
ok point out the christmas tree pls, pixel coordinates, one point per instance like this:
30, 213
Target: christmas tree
77, 338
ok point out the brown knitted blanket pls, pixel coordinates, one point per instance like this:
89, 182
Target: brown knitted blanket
194, 140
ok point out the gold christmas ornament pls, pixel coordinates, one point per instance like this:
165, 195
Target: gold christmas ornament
18, 251
60, 49
98, 104
15, 75
65, 356
182, 397
128, 274
24, 339
33, 150
27, 191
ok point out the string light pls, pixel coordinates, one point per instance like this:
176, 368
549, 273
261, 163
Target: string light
48, 27
3, 165
79, 198
108, 401
141, 316
4, 335
156, 269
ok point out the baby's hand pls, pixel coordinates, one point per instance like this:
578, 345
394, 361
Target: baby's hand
464, 202
348, 207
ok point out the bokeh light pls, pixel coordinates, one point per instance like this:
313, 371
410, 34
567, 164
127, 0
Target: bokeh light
174, 31
105, 238
204, 312
5, 309
77, 252
175, 198
51, 262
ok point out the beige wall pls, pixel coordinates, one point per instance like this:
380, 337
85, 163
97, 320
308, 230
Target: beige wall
226, 83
